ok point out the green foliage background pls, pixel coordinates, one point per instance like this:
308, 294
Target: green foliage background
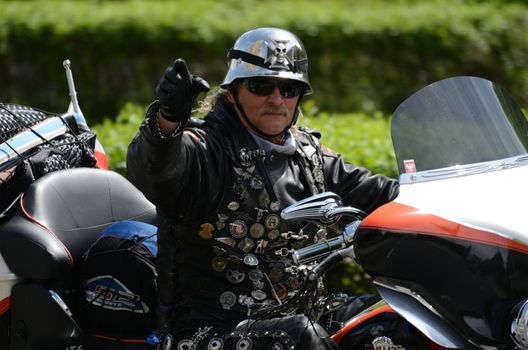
365, 55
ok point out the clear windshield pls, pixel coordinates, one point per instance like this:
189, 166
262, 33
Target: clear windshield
457, 121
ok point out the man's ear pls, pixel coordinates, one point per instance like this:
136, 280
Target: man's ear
230, 96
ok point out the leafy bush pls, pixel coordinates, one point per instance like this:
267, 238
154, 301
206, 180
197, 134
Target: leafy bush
115, 134
364, 55
363, 139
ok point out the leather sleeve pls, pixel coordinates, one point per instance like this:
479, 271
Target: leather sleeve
176, 173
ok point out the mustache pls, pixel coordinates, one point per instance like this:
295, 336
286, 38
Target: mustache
274, 109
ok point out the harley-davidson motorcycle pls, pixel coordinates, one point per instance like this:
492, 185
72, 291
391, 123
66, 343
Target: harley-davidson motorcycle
447, 256
56, 199
450, 254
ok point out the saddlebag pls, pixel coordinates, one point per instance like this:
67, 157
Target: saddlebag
119, 290
34, 143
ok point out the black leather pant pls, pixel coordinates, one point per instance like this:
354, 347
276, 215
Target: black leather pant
281, 333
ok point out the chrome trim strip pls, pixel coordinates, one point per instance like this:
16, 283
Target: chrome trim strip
463, 170
410, 293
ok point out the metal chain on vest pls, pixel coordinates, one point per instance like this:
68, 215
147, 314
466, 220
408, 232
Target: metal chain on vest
312, 163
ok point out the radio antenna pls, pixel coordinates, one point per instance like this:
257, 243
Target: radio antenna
71, 86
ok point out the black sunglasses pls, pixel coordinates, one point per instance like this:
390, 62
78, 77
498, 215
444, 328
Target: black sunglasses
265, 87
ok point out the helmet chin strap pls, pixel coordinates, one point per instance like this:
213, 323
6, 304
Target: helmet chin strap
254, 128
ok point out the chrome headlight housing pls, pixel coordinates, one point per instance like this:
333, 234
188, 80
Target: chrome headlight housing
519, 327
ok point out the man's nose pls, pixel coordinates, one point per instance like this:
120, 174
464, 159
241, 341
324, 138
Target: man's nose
276, 96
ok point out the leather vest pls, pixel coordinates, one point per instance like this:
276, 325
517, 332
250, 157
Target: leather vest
238, 258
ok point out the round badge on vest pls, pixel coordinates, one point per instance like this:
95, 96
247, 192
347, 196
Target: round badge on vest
272, 221
255, 275
238, 228
256, 230
215, 344
228, 300
219, 263
259, 295
273, 234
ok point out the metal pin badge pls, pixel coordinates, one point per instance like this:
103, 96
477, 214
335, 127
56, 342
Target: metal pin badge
261, 244
246, 245
233, 205
273, 234
263, 199
244, 300
257, 285
251, 260
238, 228
244, 344
241, 172
275, 206
235, 276
219, 263
207, 231
260, 213
256, 230
256, 184
255, 275
258, 295
220, 224
184, 344
228, 300
272, 221
215, 344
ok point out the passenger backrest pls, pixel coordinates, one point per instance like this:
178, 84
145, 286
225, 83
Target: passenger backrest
60, 216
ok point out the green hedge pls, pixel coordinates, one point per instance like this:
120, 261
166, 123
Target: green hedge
364, 55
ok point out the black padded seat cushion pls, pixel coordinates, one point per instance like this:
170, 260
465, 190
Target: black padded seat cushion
60, 216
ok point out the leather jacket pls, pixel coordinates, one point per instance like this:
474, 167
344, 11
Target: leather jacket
223, 248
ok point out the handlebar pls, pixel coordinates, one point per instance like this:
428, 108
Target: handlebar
321, 249
331, 251
331, 260
324, 209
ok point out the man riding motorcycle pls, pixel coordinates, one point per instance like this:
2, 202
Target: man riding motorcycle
219, 184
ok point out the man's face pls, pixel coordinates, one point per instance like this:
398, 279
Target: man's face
264, 104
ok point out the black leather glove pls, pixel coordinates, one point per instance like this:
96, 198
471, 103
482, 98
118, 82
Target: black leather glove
177, 90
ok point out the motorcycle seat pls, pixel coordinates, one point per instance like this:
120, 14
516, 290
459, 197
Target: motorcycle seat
61, 215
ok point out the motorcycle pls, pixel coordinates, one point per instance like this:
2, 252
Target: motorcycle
48, 223
449, 255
